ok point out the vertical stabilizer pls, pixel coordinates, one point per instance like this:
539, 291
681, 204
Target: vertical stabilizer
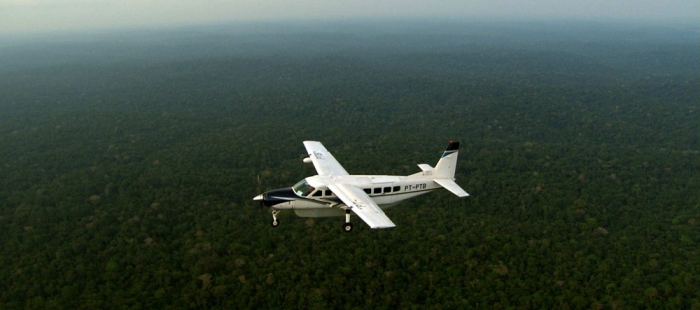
445, 168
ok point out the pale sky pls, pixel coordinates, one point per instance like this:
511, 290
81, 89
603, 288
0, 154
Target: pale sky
26, 16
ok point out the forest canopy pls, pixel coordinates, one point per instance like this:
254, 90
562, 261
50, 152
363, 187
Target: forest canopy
130, 161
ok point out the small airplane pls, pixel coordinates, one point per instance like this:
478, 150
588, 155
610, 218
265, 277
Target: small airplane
334, 192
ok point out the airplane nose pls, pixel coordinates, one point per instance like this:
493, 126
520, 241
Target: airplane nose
274, 197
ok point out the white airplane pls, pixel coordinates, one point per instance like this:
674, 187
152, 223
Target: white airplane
334, 192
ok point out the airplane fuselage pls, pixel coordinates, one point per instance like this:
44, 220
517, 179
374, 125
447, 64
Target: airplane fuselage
318, 201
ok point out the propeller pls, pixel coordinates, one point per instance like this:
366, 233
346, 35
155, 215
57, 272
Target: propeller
260, 196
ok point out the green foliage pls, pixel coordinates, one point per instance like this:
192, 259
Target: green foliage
128, 177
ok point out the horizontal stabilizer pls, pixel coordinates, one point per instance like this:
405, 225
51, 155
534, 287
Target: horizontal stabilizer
425, 167
451, 186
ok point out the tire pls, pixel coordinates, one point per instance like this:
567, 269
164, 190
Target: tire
275, 223
347, 227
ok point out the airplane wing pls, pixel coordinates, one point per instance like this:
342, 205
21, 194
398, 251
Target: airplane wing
363, 206
324, 162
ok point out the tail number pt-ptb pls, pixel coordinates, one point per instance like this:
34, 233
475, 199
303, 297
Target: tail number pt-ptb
415, 187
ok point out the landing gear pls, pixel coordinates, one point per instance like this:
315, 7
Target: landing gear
347, 227
275, 222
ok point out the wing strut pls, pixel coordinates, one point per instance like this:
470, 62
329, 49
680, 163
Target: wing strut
362, 205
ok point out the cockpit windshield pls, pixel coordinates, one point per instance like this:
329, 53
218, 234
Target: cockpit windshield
302, 188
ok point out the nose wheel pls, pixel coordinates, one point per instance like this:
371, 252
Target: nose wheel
347, 227
275, 222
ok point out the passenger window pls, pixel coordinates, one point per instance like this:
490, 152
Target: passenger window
317, 193
367, 190
378, 190
397, 188
387, 190
328, 192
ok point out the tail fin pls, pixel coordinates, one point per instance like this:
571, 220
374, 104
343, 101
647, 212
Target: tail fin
445, 168
444, 172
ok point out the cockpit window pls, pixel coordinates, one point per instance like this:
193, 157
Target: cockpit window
303, 188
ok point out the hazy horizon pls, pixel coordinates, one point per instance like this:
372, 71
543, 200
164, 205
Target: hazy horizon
19, 17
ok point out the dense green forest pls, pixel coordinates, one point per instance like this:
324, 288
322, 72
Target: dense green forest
130, 160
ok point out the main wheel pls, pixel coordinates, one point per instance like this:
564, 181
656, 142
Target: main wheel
275, 223
347, 227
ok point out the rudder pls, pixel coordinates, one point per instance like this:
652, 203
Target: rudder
446, 166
